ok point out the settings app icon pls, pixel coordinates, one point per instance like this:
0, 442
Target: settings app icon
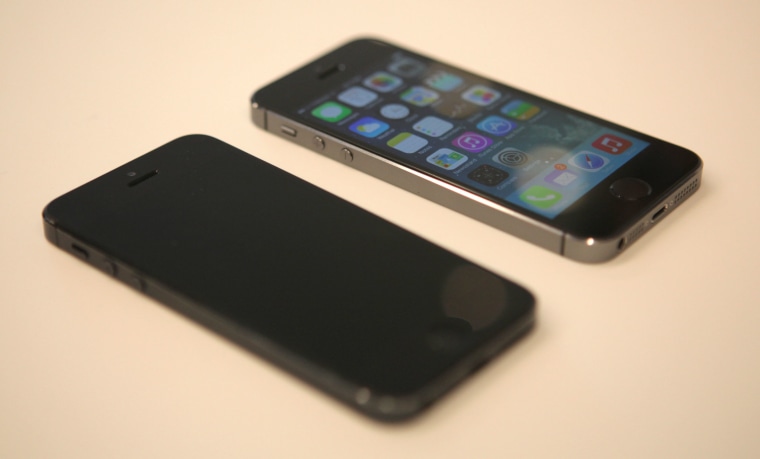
511, 157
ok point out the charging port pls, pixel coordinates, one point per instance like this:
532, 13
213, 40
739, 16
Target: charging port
659, 213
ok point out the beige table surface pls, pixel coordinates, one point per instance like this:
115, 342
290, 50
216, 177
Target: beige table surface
653, 355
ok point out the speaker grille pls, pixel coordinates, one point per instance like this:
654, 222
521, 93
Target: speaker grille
631, 237
636, 233
686, 191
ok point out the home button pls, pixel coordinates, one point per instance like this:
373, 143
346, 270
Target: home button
630, 189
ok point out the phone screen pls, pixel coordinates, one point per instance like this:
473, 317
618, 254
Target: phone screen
491, 139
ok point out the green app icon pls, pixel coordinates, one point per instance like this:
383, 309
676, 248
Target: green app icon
540, 196
331, 112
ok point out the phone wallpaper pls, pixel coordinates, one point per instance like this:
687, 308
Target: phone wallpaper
495, 141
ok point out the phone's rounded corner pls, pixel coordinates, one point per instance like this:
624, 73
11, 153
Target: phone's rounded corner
695, 161
361, 40
700, 160
195, 140
531, 301
388, 409
49, 225
256, 96
699, 168
593, 250
258, 113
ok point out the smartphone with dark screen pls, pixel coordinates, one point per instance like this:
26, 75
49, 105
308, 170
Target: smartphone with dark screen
378, 317
570, 182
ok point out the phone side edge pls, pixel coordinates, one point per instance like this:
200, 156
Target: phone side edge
49, 228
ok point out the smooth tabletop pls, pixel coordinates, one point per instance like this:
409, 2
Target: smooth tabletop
654, 354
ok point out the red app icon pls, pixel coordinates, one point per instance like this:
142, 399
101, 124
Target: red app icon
611, 144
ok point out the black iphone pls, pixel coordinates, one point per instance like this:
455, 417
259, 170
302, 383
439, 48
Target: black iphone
575, 184
374, 315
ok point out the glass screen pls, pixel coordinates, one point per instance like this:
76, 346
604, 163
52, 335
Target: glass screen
493, 140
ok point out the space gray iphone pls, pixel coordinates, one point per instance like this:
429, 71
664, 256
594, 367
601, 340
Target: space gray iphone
378, 317
567, 181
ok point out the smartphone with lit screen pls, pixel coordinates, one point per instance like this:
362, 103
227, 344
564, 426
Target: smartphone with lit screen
370, 313
573, 183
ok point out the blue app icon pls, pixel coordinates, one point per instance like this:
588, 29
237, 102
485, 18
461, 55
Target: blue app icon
588, 161
369, 127
496, 125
